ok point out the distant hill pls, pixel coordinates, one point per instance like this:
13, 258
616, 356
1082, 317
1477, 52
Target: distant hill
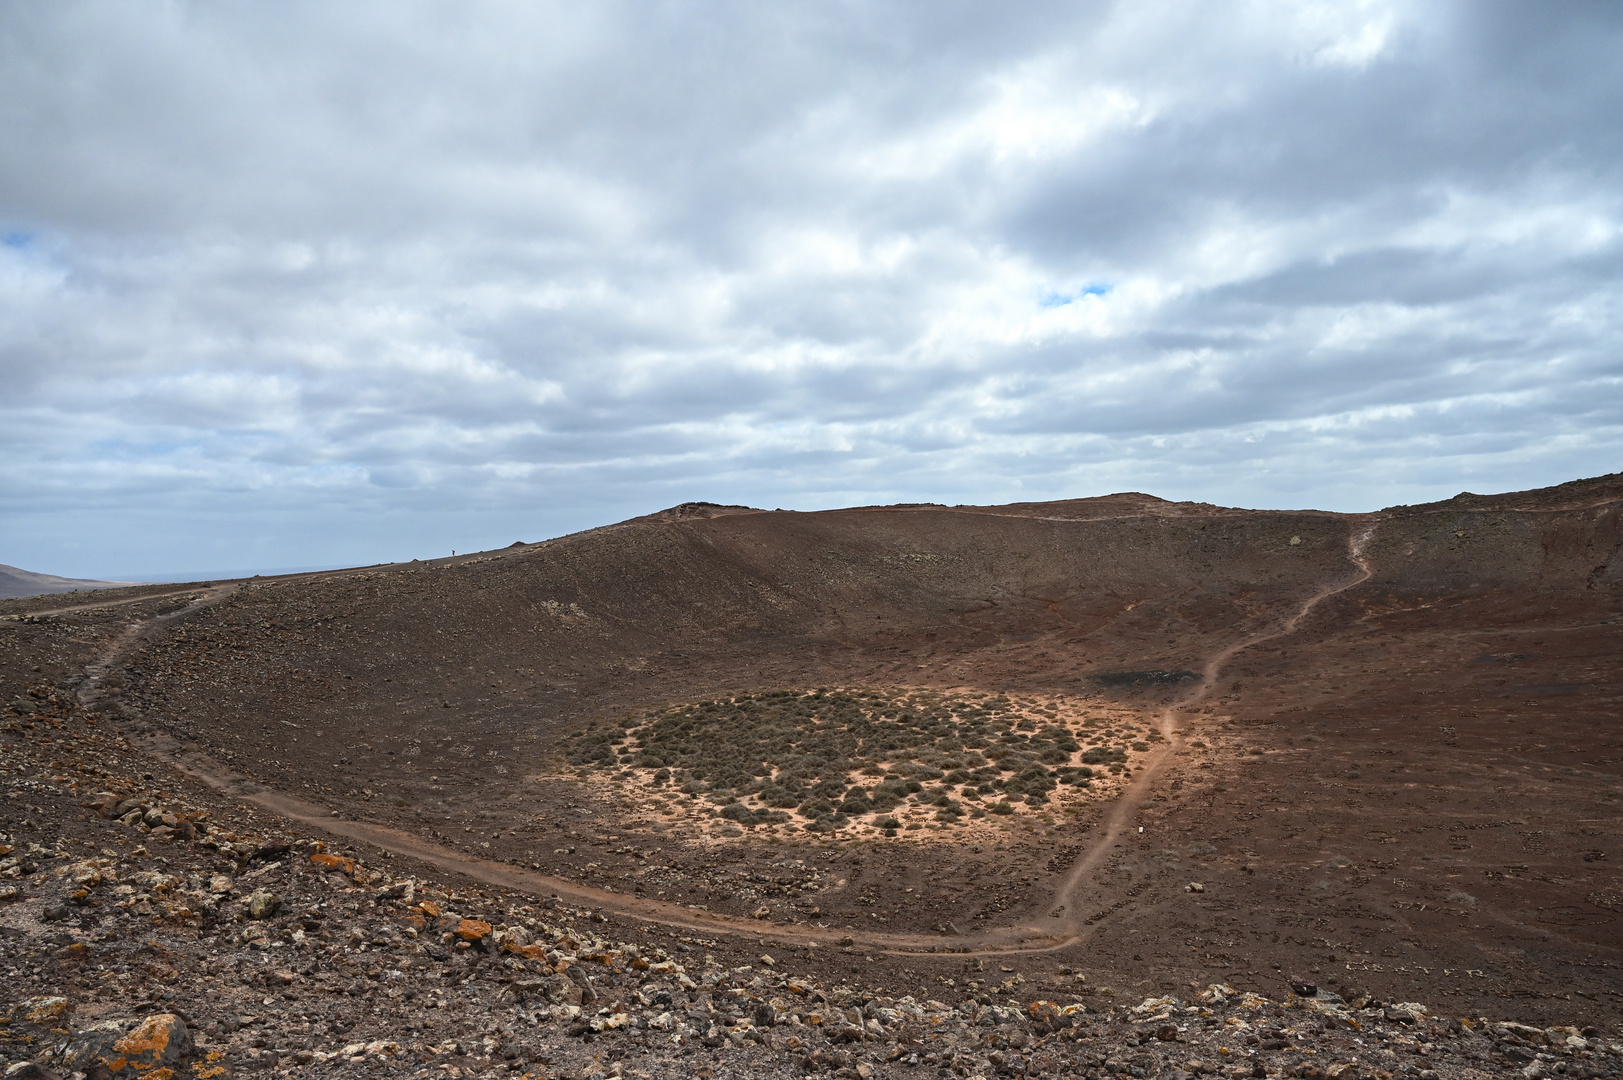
15, 583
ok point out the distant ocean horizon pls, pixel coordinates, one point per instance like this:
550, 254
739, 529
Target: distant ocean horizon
227, 575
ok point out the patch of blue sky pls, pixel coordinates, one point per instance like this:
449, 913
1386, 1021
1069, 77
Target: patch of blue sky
1060, 299
17, 239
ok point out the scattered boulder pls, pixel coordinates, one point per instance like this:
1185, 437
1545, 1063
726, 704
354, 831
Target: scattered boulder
161, 1041
89, 1045
559, 990
103, 802
1524, 1032
263, 905
473, 931
44, 1010
339, 863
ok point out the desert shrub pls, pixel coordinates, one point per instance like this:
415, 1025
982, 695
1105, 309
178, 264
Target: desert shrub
885, 797
888, 823
662, 775
745, 816
1033, 781
593, 747
831, 788
856, 803
816, 808
1100, 755
1002, 808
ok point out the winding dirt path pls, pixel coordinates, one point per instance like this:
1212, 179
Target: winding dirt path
122, 601
506, 875
1067, 926
133, 633
1135, 794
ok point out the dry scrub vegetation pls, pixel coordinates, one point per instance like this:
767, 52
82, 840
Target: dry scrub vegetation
824, 760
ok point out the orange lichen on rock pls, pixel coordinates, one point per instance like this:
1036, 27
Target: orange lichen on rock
472, 930
340, 863
159, 1042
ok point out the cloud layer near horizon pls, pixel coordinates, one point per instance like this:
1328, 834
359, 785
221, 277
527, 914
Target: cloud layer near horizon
331, 283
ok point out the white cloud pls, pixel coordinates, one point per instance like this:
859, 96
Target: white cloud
342, 284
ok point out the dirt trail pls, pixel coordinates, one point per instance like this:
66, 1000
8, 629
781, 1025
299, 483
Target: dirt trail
118, 602
133, 633
1066, 927
290, 807
1135, 794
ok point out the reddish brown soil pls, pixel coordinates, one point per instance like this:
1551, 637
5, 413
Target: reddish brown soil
1400, 768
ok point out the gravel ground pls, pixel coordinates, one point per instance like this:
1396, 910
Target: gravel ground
146, 925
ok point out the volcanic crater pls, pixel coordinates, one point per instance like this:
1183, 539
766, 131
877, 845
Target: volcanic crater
1161, 743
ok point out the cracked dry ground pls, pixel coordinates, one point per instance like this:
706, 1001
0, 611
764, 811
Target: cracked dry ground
1409, 796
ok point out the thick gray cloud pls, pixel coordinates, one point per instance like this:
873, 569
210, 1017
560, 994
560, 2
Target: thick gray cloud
309, 283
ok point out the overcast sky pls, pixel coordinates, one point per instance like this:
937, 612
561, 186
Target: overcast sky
305, 284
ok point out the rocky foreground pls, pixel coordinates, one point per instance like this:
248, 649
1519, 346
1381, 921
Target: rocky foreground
151, 929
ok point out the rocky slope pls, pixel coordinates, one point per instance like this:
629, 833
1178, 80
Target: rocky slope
150, 927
